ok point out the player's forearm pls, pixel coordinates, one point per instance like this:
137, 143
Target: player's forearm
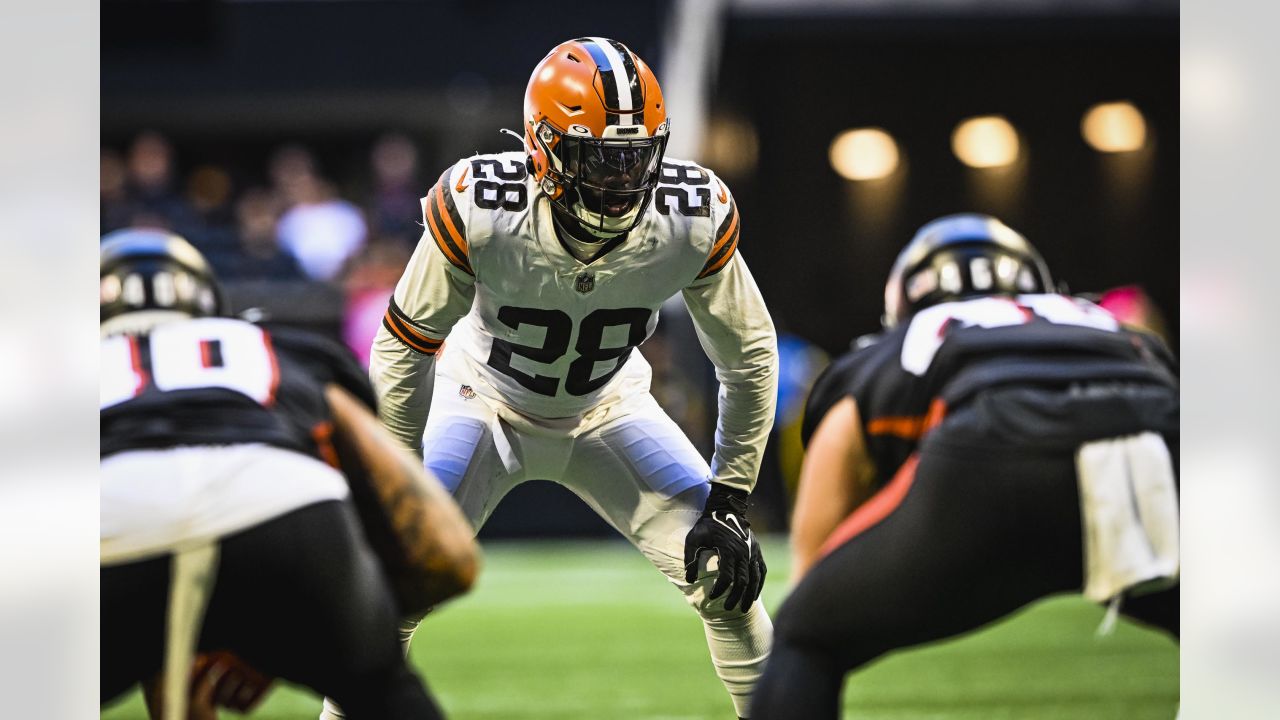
426, 544
746, 410
737, 334
402, 379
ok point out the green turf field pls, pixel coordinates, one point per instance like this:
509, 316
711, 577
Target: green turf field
569, 631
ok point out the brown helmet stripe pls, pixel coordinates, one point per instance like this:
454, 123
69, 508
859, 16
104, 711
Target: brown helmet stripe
632, 82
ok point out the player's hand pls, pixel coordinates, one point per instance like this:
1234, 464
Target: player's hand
724, 530
221, 679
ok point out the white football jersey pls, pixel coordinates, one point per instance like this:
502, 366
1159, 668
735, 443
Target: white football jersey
550, 336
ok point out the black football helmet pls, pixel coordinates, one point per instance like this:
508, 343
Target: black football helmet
961, 256
144, 269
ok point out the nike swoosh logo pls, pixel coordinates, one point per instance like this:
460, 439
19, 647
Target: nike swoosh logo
724, 194
736, 528
461, 186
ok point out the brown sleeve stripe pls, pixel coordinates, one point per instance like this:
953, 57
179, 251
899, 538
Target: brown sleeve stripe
727, 226
390, 323
402, 328
716, 264
724, 248
445, 225
446, 181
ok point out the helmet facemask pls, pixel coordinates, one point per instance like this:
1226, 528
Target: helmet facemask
607, 182
962, 256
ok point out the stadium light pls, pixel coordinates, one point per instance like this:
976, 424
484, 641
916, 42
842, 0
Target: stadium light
864, 154
987, 141
1114, 127
732, 146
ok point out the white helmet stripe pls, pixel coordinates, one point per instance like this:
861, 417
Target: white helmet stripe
620, 79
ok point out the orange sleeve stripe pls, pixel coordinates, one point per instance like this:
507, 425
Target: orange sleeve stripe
715, 265
911, 427
404, 321
412, 339
724, 237
449, 251
409, 329
907, 428
458, 238
724, 246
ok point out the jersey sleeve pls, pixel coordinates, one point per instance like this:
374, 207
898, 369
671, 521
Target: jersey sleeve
833, 385
325, 360
854, 374
736, 332
436, 289
724, 245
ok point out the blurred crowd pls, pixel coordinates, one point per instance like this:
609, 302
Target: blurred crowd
294, 227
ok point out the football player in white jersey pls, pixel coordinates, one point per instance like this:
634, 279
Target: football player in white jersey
544, 269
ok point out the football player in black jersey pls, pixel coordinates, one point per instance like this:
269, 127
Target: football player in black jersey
256, 520
995, 444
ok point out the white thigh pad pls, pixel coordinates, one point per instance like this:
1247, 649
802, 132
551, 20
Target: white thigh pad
1129, 507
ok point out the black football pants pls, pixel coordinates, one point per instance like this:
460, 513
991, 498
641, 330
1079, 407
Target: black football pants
990, 522
299, 597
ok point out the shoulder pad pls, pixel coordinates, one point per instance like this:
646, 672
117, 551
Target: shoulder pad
326, 360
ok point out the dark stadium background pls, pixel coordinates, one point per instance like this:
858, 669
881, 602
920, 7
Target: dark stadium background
229, 83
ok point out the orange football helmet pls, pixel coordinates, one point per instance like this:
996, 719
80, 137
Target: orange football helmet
595, 130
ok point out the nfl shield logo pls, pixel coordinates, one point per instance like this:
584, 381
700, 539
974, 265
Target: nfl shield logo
466, 392
585, 284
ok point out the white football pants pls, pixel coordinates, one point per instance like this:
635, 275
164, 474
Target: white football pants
638, 471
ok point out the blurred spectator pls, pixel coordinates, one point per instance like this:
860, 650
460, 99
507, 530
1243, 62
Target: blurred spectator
370, 281
290, 166
209, 190
152, 201
113, 196
394, 208
320, 229
258, 255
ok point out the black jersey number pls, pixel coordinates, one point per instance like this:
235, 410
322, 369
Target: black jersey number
672, 177
555, 344
684, 198
498, 185
495, 170
492, 195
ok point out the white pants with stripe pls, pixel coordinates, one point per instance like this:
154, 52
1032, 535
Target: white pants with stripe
638, 471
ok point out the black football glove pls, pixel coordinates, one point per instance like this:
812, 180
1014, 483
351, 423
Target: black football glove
724, 530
